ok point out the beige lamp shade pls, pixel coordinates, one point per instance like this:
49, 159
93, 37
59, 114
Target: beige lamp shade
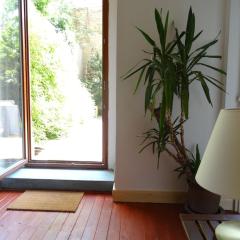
219, 171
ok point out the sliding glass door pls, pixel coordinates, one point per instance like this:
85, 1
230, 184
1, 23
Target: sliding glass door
11, 104
53, 82
66, 78
67, 49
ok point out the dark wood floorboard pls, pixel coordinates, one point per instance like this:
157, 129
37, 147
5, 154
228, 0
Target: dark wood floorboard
97, 218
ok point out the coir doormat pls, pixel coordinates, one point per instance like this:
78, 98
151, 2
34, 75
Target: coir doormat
55, 201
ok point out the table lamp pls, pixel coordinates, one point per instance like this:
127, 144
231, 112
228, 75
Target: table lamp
219, 171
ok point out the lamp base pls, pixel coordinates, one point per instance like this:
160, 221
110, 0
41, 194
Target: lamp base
229, 230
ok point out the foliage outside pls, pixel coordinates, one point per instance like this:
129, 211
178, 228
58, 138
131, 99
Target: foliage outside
46, 97
92, 80
10, 75
167, 73
48, 122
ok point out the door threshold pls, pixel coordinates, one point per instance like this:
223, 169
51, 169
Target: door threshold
66, 165
59, 179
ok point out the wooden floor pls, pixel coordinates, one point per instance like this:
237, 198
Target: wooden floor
97, 218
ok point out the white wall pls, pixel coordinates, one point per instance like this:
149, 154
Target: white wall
233, 56
232, 99
136, 171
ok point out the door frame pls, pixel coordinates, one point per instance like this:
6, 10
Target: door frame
27, 99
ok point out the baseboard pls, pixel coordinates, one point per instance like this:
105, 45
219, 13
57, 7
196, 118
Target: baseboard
148, 196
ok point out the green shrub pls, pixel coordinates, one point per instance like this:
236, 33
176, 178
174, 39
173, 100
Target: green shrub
92, 79
47, 100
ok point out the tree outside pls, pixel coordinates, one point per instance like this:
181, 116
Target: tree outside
65, 38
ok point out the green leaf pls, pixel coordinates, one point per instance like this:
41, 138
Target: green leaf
158, 160
180, 46
197, 161
147, 37
139, 80
203, 52
170, 78
148, 93
148, 97
173, 44
135, 71
176, 127
206, 46
160, 28
190, 29
213, 56
157, 88
205, 88
213, 83
214, 79
185, 97
207, 77
213, 68
197, 36
166, 25
195, 60
149, 70
158, 51
162, 116
132, 68
198, 158
145, 146
176, 119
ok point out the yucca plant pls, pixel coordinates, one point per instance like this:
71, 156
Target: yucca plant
167, 73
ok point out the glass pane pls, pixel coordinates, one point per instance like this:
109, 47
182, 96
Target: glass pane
11, 140
66, 79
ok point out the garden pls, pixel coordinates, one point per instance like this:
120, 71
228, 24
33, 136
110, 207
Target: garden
65, 43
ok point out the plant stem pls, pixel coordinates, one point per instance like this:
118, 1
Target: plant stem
171, 154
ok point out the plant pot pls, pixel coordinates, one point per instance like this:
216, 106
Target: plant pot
200, 200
